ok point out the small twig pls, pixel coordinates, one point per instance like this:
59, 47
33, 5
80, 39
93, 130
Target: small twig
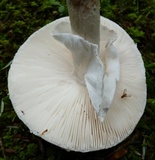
7, 65
144, 149
2, 148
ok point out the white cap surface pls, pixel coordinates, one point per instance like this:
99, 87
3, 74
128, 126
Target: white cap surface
48, 99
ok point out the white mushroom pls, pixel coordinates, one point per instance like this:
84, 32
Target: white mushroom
50, 94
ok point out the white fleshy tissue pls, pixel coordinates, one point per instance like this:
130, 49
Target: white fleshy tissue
100, 77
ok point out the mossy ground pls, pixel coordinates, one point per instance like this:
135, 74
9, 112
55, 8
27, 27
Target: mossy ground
18, 20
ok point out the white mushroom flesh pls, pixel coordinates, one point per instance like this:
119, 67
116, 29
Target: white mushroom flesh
58, 107
99, 78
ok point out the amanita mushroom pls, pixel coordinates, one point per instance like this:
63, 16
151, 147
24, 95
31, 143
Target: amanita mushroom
75, 95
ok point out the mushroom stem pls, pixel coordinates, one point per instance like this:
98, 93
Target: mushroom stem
85, 19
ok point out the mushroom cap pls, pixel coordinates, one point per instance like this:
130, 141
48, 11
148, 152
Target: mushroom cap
54, 106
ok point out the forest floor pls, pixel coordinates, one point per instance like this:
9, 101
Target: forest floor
18, 20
